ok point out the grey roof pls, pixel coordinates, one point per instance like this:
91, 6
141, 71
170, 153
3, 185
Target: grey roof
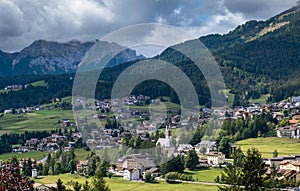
206, 143
153, 169
144, 162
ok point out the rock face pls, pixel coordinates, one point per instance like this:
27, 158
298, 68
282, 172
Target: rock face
44, 57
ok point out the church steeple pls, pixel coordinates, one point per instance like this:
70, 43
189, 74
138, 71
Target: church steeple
169, 132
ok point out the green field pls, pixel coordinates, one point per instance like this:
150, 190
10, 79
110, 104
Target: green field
81, 154
205, 175
230, 97
118, 184
39, 83
35, 84
37, 121
67, 99
6, 91
262, 100
267, 145
33, 154
158, 107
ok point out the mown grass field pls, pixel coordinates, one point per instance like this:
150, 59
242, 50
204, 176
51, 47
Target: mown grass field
34, 154
81, 154
158, 107
205, 175
262, 99
267, 146
118, 184
37, 121
39, 83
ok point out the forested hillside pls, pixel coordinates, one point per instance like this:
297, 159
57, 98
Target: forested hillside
257, 58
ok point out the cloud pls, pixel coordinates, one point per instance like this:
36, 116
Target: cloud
22, 22
257, 9
11, 19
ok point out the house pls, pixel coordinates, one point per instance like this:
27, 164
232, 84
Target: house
8, 111
279, 116
288, 132
135, 161
203, 162
81, 165
155, 172
296, 117
296, 99
44, 187
184, 148
290, 165
208, 145
215, 158
290, 169
134, 166
66, 122
132, 174
32, 142
277, 160
34, 173
21, 149
293, 122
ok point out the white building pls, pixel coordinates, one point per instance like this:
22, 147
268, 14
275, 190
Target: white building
215, 158
34, 173
132, 174
208, 145
166, 143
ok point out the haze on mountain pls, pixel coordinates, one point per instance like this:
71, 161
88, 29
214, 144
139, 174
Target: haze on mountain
257, 58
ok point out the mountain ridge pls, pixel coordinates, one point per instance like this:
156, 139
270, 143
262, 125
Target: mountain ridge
258, 58
51, 57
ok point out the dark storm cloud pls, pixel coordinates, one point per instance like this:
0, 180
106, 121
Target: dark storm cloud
22, 22
257, 9
10, 20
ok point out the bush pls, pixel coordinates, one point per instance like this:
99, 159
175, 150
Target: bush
173, 176
148, 177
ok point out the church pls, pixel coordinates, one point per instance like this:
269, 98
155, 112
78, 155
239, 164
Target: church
166, 143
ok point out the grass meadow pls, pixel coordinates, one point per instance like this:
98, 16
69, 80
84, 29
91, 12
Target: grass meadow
267, 146
118, 184
81, 154
37, 121
204, 175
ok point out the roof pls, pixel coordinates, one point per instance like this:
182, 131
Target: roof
284, 162
296, 163
83, 162
293, 121
207, 143
296, 117
293, 162
153, 170
164, 142
144, 162
288, 173
215, 154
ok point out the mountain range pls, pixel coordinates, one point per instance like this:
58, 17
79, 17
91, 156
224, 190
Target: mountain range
257, 59
48, 57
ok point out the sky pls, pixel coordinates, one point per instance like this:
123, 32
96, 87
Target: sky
23, 21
